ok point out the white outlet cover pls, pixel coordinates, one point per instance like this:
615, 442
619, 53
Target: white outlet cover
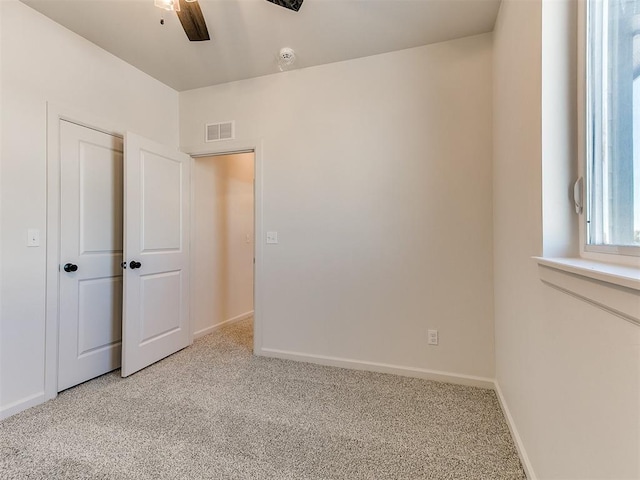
432, 337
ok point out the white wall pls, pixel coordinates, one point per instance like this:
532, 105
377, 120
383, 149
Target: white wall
42, 61
222, 274
569, 372
559, 127
377, 178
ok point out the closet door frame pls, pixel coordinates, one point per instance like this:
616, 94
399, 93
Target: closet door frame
55, 114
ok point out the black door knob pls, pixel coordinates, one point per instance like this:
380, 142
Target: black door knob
134, 264
70, 267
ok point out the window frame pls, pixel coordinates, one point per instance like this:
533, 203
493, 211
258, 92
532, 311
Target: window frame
620, 254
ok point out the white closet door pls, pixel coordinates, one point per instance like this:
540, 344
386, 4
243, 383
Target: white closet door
91, 185
156, 278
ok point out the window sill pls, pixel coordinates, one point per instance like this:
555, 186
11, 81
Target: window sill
614, 288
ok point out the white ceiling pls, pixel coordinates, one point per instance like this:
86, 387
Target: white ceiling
246, 35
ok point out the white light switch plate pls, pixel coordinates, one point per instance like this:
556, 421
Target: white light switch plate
33, 237
272, 237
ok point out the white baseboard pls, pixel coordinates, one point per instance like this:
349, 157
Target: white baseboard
522, 453
213, 328
20, 405
436, 375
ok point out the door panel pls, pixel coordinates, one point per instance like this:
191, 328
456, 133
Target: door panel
101, 178
156, 302
101, 300
160, 317
91, 238
161, 202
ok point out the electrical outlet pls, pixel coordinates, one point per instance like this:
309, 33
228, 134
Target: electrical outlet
272, 237
432, 337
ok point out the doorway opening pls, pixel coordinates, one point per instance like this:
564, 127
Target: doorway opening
223, 240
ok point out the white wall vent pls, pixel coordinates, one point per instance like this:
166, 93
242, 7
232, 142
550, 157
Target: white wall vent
215, 132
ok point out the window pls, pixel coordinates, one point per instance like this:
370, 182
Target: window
607, 272
613, 127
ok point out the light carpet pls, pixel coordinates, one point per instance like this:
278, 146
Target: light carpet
215, 411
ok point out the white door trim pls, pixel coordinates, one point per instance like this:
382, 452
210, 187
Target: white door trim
229, 148
56, 113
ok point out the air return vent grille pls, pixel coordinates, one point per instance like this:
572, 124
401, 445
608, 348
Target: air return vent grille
215, 132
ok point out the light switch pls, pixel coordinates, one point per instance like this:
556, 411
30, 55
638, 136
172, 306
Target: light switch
272, 237
33, 237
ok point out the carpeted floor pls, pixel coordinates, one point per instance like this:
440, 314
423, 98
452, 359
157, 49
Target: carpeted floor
215, 411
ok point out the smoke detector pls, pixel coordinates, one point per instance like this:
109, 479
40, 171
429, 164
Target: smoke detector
286, 58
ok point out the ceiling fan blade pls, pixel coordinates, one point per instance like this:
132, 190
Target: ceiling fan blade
192, 21
290, 4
